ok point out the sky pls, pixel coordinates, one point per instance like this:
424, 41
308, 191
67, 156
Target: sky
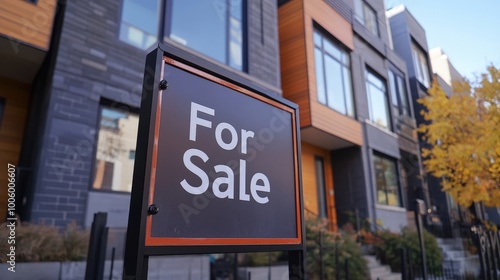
468, 31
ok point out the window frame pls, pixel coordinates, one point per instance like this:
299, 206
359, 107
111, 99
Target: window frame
394, 163
360, 8
398, 98
106, 103
348, 97
167, 28
369, 72
419, 58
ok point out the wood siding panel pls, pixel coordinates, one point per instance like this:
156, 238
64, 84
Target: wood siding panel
12, 122
336, 124
28, 23
322, 13
293, 57
309, 152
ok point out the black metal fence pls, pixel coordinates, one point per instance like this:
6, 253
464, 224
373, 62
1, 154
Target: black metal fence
448, 270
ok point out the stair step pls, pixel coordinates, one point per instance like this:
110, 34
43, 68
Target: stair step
379, 271
392, 276
371, 261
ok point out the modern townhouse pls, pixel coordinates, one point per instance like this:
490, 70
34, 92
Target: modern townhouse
360, 153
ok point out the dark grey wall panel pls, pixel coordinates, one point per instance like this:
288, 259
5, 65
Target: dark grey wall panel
350, 184
417, 31
263, 55
401, 41
342, 7
382, 141
359, 86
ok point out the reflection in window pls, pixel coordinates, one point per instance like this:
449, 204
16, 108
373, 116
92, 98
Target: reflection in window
217, 30
333, 75
387, 181
420, 64
139, 23
377, 100
114, 164
366, 15
399, 94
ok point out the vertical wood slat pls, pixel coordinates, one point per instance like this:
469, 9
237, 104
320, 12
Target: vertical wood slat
293, 57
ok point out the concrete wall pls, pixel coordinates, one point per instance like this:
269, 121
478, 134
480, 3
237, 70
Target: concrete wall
178, 267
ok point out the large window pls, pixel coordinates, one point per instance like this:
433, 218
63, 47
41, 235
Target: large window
399, 94
333, 75
387, 181
420, 64
377, 100
114, 163
367, 16
139, 22
321, 187
213, 28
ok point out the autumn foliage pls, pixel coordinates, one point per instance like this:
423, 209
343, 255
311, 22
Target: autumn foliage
463, 133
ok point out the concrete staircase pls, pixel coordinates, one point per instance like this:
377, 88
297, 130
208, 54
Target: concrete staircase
379, 271
456, 259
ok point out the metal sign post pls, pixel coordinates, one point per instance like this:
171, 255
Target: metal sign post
217, 166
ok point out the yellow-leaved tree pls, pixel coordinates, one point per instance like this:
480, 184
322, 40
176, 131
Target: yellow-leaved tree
463, 136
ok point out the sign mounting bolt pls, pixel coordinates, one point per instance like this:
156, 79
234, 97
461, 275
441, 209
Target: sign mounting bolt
163, 84
153, 209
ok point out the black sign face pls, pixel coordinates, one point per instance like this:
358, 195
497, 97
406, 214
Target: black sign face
224, 167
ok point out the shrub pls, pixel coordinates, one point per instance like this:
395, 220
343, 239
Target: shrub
390, 244
348, 250
41, 243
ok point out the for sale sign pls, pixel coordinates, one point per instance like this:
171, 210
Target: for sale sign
217, 165
225, 167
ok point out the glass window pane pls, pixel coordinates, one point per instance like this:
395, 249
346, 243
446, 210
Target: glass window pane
320, 79
403, 96
209, 35
374, 80
358, 10
425, 70
332, 50
334, 85
393, 87
387, 181
317, 39
235, 44
371, 20
333, 76
378, 107
377, 96
416, 64
116, 144
139, 22
236, 9
345, 58
348, 92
